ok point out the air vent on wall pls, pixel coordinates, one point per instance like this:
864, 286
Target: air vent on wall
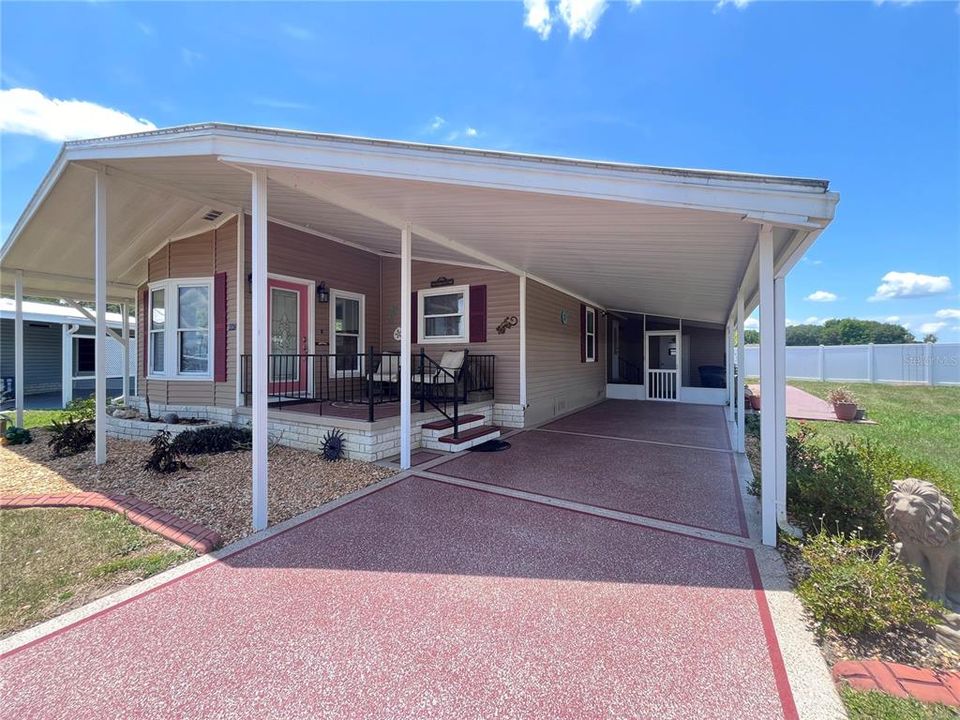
213, 215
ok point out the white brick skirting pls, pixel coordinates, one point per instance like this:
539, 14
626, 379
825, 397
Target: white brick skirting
362, 440
508, 415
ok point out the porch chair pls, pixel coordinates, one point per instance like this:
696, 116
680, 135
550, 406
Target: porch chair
388, 371
450, 363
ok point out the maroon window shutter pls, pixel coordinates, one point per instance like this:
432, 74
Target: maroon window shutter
414, 317
220, 327
143, 327
583, 333
478, 313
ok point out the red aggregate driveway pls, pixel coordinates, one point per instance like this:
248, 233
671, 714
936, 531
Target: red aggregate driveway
680, 423
425, 599
682, 485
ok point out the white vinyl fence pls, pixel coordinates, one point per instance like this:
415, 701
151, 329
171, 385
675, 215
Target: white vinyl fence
922, 363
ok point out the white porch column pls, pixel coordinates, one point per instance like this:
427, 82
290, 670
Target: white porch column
768, 413
406, 351
780, 396
741, 377
523, 342
259, 348
66, 363
125, 354
100, 300
18, 346
728, 355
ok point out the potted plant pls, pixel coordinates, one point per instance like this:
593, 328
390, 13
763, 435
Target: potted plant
750, 398
844, 403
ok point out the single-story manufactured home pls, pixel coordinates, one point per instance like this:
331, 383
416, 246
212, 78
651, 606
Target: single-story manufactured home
59, 357
415, 295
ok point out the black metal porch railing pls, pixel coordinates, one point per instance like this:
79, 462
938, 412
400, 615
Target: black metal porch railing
363, 381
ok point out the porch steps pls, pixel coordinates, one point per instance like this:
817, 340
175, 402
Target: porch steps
468, 438
435, 430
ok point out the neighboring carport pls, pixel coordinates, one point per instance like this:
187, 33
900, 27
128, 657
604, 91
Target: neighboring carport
708, 246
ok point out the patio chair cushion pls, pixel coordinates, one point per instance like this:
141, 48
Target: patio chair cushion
389, 370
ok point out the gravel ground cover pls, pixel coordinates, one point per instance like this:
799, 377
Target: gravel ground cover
215, 491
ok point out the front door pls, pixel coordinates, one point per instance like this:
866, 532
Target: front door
287, 309
615, 350
663, 365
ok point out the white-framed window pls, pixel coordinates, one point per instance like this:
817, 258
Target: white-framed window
444, 314
181, 329
347, 330
590, 335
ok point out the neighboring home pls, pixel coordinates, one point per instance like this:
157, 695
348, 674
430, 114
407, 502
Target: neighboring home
414, 295
59, 358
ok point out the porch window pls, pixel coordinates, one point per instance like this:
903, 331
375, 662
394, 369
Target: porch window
443, 314
347, 331
180, 331
84, 356
590, 336
158, 318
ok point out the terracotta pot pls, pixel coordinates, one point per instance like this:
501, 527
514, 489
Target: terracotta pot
845, 411
755, 402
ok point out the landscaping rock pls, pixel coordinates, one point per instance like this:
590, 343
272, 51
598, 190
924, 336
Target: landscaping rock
171, 418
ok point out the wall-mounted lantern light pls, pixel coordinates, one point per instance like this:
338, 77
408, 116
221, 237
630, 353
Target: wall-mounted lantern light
323, 295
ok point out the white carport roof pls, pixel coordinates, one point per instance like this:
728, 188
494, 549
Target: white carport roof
626, 237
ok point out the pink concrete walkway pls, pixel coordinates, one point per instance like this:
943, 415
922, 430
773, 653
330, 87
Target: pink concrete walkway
801, 405
428, 600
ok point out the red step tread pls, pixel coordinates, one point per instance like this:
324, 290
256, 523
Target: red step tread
447, 424
471, 434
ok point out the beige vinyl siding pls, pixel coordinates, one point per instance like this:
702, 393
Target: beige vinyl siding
311, 258
503, 300
557, 381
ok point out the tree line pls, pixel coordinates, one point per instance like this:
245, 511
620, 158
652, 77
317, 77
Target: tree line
845, 331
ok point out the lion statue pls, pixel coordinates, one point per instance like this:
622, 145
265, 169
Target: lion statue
928, 530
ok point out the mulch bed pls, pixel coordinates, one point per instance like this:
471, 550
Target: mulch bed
214, 492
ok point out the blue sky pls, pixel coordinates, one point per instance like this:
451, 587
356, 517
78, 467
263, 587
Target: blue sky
863, 94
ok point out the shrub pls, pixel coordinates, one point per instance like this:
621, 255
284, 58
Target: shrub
18, 436
214, 439
164, 458
841, 394
82, 409
855, 586
71, 436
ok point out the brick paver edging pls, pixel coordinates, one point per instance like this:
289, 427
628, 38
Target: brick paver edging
148, 516
929, 686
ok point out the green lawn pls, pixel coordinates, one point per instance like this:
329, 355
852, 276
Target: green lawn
877, 706
58, 558
36, 418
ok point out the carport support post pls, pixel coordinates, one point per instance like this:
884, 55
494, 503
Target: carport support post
125, 351
728, 357
780, 397
768, 423
100, 301
406, 352
258, 349
18, 346
741, 377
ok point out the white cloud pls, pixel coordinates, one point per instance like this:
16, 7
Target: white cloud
581, 16
821, 296
470, 132
537, 17
437, 123
789, 323
739, 4
814, 320
909, 285
932, 327
948, 313
190, 57
751, 323
29, 112
808, 261
296, 32
892, 319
